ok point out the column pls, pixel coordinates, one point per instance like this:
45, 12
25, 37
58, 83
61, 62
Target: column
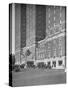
17, 32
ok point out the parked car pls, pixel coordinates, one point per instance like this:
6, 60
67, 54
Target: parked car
30, 64
48, 66
22, 66
17, 68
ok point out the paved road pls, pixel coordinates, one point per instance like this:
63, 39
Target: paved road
38, 77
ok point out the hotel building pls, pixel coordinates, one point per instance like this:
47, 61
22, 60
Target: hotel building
40, 34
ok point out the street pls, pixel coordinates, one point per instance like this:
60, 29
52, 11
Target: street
38, 77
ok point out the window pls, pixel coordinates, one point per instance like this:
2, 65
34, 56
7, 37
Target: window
49, 63
54, 63
60, 63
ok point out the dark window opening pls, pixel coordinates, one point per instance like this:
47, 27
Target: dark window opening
54, 63
60, 63
49, 63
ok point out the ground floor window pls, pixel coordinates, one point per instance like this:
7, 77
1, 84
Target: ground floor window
54, 63
60, 62
49, 63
